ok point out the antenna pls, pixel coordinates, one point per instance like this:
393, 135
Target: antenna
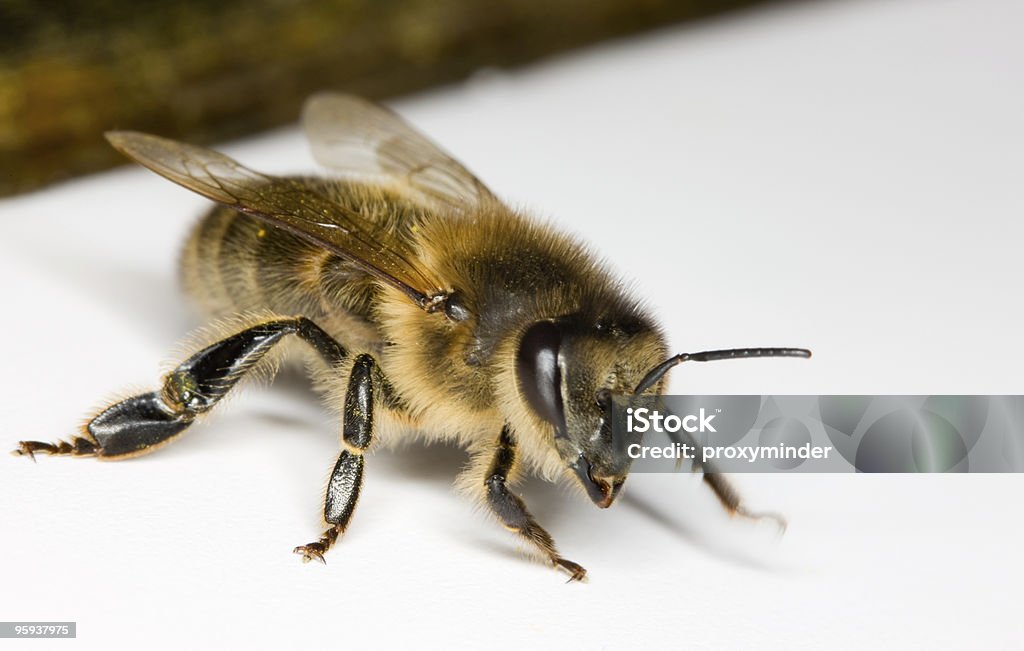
714, 355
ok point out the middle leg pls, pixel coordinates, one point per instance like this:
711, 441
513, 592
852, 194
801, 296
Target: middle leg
347, 477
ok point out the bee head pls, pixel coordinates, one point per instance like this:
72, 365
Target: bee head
567, 375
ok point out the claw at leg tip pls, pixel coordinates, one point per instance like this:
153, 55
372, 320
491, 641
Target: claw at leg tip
23, 450
309, 554
780, 523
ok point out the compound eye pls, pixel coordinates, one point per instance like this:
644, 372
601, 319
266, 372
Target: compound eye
540, 378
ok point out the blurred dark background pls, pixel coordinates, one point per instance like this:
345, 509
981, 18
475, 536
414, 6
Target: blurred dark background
203, 71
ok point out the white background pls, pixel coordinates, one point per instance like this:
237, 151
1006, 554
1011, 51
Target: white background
838, 175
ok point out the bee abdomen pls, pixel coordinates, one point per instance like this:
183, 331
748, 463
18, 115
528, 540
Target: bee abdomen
235, 263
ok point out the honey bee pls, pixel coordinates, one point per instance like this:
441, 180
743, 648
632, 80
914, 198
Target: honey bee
425, 306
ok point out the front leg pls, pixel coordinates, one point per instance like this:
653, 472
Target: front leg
720, 485
511, 510
347, 476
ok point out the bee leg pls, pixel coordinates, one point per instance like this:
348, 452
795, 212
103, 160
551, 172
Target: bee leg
347, 476
141, 423
77, 446
512, 512
722, 488
730, 499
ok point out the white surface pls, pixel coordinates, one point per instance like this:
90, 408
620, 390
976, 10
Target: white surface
841, 175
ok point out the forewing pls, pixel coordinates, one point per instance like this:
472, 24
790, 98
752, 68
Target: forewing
288, 204
358, 137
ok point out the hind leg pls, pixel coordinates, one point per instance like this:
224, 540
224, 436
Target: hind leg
142, 423
76, 447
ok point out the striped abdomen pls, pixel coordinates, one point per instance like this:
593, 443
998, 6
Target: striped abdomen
233, 263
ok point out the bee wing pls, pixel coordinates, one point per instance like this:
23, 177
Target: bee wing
358, 137
288, 204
